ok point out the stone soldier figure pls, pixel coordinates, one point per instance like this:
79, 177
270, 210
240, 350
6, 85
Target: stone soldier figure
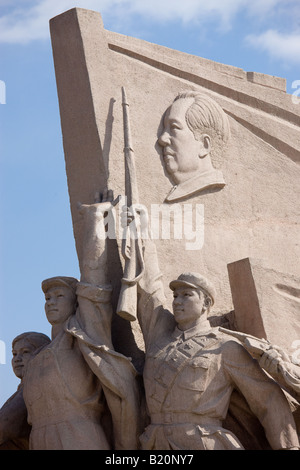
192, 369
287, 373
14, 429
284, 369
70, 385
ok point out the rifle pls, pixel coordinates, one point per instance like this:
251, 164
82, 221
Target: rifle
131, 243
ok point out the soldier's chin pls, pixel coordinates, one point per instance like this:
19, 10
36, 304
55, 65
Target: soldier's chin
179, 315
18, 371
53, 317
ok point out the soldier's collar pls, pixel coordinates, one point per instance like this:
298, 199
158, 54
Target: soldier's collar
202, 328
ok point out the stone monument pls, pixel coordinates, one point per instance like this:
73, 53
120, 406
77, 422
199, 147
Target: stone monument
253, 211
205, 160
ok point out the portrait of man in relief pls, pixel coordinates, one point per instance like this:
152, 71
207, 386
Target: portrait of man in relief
195, 132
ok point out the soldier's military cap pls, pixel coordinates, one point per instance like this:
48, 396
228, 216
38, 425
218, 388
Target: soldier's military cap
63, 281
195, 281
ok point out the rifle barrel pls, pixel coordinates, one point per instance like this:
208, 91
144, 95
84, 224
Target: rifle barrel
127, 133
130, 172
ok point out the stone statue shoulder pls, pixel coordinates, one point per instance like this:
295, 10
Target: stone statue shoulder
216, 340
210, 339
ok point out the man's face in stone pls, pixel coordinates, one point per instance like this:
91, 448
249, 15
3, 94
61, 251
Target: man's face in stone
187, 306
22, 352
180, 148
59, 305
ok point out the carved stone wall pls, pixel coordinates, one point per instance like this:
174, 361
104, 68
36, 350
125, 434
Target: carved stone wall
256, 214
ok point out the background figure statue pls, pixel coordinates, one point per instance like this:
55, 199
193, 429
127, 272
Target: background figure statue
277, 362
191, 370
282, 368
72, 384
195, 132
14, 428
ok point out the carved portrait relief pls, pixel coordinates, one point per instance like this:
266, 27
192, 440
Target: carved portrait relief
195, 132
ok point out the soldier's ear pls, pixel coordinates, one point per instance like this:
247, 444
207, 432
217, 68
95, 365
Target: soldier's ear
207, 302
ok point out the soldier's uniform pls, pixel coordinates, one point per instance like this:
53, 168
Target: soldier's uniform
189, 377
69, 383
14, 429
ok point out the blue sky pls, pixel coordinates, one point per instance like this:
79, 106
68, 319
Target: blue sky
36, 237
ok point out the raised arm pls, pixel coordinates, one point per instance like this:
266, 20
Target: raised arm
95, 216
92, 327
94, 313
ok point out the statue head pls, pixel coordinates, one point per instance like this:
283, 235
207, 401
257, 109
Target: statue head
195, 131
60, 298
193, 296
24, 347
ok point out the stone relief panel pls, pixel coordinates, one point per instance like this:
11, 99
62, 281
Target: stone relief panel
195, 132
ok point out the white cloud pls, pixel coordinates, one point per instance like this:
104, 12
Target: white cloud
188, 10
260, 7
28, 20
281, 46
